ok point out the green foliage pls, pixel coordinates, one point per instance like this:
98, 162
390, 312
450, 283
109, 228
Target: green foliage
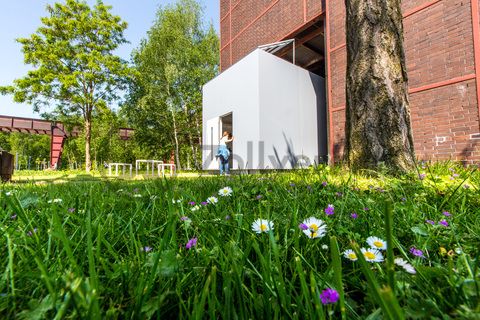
32, 150
106, 145
116, 249
74, 65
164, 102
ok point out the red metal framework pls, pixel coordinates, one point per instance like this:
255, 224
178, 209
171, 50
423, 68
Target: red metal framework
56, 130
476, 47
328, 69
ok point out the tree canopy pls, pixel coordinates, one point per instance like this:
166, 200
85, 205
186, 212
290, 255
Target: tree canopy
75, 70
178, 56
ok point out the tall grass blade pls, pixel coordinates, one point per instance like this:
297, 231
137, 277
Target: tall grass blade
338, 274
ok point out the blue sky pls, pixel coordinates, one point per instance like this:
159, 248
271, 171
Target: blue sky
20, 18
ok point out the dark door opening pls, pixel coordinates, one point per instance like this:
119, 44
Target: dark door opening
226, 123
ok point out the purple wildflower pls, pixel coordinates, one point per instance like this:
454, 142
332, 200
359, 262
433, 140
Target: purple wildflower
192, 203
329, 296
30, 233
430, 222
446, 213
258, 197
204, 203
14, 216
404, 199
292, 184
366, 209
329, 210
443, 223
324, 183
422, 176
227, 217
71, 210
147, 249
417, 252
455, 175
191, 243
339, 194
354, 215
303, 226
184, 218
466, 186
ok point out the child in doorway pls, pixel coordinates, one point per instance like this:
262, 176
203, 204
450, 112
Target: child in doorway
223, 153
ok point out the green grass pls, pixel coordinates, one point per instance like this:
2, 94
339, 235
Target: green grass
89, 262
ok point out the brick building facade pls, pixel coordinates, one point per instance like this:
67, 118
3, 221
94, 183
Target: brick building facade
442, 45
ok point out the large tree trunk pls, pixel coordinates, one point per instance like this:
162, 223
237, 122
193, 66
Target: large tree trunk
88, 136
377, 113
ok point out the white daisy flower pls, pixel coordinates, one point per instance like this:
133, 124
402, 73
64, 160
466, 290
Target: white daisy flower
195, 208
324, 247
405, 265
8, 193
55, 201
372, 255
212, 200
316, 228
350, 254
225, 192
137, 195
377, 243
176, 201
262, 225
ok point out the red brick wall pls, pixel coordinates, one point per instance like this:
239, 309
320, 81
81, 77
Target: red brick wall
439, 54
257, 22
440, 62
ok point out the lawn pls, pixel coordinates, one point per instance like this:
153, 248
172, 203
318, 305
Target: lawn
267, 246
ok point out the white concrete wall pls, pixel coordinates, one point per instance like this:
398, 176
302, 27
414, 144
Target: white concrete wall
288, 112
234, 90
275, 107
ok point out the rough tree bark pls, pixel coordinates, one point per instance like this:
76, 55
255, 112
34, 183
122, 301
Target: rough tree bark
377, 123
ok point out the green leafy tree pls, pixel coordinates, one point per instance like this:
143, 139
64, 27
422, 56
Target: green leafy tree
74, 63
164, 103
27, 147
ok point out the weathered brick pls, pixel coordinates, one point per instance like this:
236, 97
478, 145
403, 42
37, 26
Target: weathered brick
438, 47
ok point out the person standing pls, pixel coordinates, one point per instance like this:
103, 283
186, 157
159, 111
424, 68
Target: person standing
223, 153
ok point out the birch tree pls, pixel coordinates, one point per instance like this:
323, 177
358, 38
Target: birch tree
176, 59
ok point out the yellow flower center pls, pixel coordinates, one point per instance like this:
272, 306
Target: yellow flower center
263, 227
378, 244
369, 255
314, 234
313, 227
352, 256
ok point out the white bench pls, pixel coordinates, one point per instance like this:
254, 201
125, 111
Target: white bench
161, 168
118, 164
148, 162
